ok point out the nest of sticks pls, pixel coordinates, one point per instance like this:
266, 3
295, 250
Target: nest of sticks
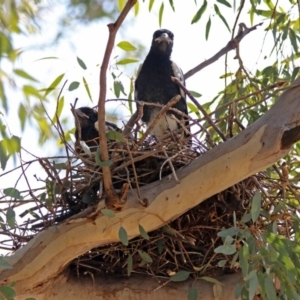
186, 243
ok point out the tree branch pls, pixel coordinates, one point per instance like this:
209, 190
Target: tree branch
254, 149
230, 46
112, 197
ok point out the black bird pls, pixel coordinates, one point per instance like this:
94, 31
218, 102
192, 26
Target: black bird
87, 120
154, 84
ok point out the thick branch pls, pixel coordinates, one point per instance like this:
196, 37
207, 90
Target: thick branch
113, 28
253, 150
230, 46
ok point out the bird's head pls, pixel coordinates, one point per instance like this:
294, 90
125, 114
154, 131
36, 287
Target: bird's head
86, 116
162, 41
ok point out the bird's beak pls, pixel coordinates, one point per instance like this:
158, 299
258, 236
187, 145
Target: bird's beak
164, 41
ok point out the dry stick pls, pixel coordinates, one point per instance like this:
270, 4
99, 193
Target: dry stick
134, 172
230, 46
112, 197
207, 117
173, 101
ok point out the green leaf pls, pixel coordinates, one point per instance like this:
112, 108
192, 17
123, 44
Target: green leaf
118, 88
123, 236
121, 4
200, 12
244, 259
229, 232
129, 264
226, 249
172, 5
255, 206
8, 292
99, 162
22, 115
195, 94
4, 264
253, 283
238, 290
29, 90
143, 232
212, 280
126, 46
293, 39
222, 263
49, 57
115, 136
87, 88
160, 246
10, 217
160, 14
73, 86
180, 276
145, 256
24, 74
54, 84
136, 8
207, 29
193, 108
59, 108
271, 6
192, 293
221, 16
108, 213
12, 192
151, 2
50, 191
269, 287
3, 155
226, 75
224, 2
81, 63
14, 145
126, 61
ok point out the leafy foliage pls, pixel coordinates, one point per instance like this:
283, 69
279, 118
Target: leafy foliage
263, 256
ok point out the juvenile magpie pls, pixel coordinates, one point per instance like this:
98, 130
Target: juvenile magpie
87, 120
154, 84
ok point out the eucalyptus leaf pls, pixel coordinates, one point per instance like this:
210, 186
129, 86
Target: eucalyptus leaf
123, 236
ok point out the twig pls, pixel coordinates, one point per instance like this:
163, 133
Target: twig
112, 196
207, 117
169, 160
159, 115
134, 172
231, 45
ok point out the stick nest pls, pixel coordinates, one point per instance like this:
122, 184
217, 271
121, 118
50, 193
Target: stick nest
186, 243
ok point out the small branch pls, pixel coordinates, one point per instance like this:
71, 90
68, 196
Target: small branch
230, 46
207, 117
165, 108
112, 196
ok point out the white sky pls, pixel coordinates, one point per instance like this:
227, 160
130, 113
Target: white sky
88, 43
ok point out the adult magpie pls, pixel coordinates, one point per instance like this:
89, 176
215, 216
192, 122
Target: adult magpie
86, 120
154, 84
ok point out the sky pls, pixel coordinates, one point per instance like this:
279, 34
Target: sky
88, 43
